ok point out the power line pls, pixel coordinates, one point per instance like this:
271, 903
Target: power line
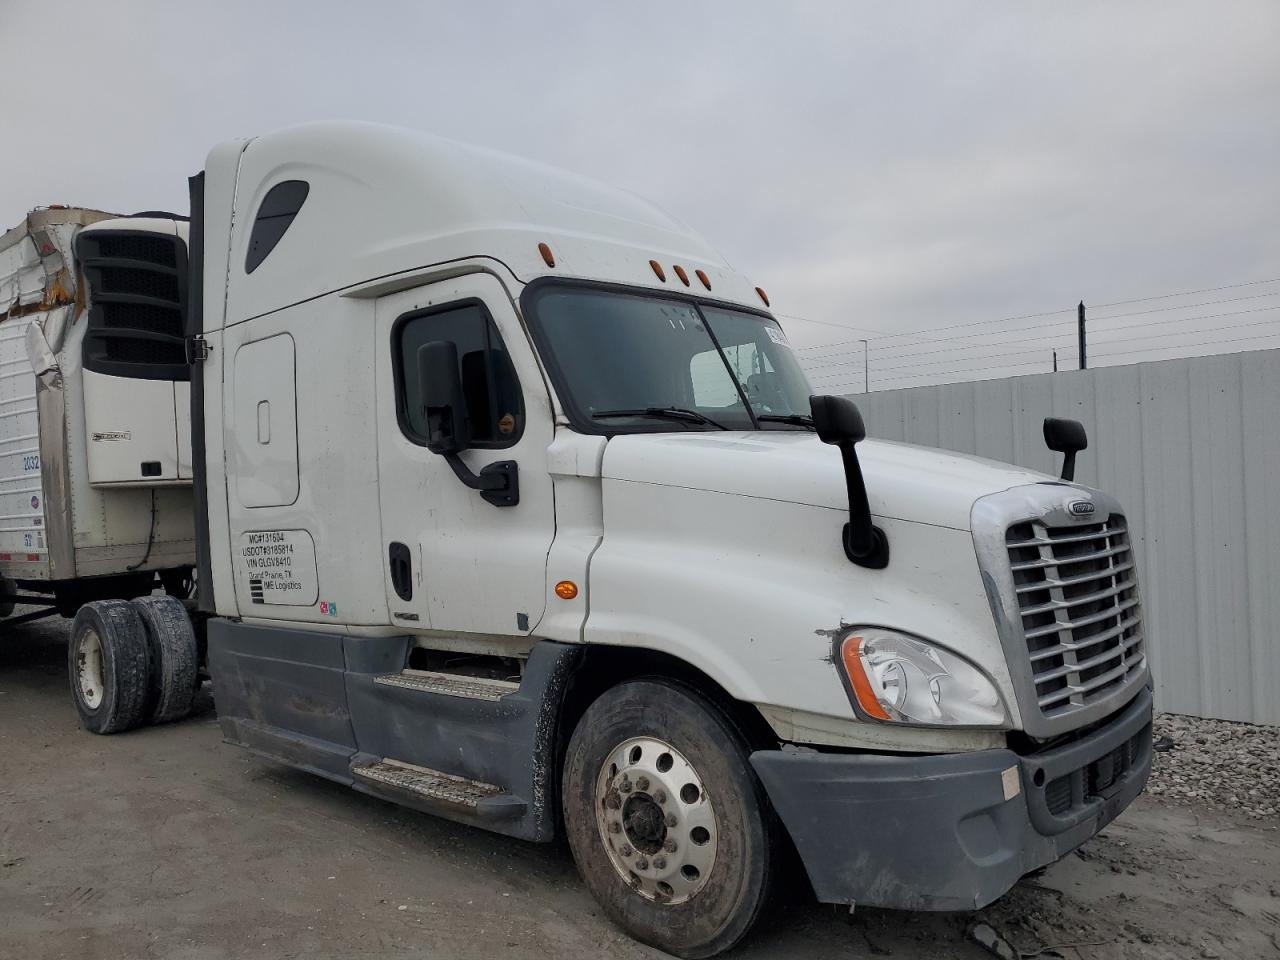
922, 335
1185, 293
1042, 336
1185, 306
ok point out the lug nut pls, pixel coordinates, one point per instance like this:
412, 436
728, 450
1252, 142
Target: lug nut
642, 864
625, 786
660, 796
671, 820
659, 863
613, 801
615, 827
626, 850
670, 845
642, 783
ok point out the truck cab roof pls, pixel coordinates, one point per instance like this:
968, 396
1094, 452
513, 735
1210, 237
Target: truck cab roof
379, 202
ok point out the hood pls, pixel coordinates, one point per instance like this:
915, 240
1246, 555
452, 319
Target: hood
904, 481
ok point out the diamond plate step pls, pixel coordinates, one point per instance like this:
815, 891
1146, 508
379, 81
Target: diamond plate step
449, 684
431, 784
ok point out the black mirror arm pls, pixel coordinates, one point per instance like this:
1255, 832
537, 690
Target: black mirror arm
498, 482
1069, 465
864, 543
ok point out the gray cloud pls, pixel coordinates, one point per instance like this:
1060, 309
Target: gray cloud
888, 167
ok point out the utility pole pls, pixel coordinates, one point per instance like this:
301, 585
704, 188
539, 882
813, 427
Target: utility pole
1084, 361
1055, 359
866, 366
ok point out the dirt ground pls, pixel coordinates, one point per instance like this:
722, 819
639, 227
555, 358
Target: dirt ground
167, 843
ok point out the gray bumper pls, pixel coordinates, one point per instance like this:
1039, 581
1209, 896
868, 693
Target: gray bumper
937, 832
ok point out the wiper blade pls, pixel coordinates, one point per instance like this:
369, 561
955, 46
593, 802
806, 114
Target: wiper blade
662, 413
799, 419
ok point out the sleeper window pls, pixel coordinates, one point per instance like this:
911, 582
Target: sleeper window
490, 390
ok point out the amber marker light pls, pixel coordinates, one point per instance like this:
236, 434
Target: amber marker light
763, 296
547, 256
702, 275
684, 277
658, 271
566, 589
851, 654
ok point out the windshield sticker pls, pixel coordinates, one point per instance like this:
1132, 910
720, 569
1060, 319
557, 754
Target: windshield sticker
776, 335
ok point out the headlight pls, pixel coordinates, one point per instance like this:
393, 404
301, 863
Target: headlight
894, 677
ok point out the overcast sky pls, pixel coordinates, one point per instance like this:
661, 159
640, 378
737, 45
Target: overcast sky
878, 168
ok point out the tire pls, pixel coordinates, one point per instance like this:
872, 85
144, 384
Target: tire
172, 645
658, 782
109, 664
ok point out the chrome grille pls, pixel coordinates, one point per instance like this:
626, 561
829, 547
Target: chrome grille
1076, 589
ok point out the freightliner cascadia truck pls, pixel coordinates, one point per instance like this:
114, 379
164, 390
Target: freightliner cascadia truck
513, 505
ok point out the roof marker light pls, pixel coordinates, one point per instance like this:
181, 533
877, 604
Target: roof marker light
702, 275
763, 296
684, 277
547, 257
658, 271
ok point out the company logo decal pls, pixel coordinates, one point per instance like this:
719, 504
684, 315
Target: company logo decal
1081, 508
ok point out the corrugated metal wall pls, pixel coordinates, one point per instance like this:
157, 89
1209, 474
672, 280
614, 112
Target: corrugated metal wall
1192, 449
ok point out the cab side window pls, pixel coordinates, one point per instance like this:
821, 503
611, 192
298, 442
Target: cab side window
490, 390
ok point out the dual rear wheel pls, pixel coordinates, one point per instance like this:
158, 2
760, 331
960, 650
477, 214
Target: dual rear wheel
131, 662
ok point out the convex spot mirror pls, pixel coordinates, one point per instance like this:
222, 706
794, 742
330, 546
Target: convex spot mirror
442, 397
1065, 437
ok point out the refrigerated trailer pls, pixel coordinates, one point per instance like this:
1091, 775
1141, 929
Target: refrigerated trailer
95, 463
512, 504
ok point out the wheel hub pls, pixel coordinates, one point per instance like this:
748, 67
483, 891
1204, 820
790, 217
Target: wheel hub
89, 672
656, 820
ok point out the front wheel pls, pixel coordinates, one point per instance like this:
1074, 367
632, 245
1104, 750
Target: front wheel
668, 824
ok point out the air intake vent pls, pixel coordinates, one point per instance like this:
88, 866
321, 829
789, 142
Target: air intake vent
137, 293
1077, 591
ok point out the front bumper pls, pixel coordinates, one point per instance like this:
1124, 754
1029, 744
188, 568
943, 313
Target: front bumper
949, 832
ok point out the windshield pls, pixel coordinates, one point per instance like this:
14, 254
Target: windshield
625, 362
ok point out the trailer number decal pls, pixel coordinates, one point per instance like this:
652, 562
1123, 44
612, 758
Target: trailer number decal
278, 567
30, 462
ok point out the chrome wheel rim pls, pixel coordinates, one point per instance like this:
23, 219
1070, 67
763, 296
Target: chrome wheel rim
656, 820
89, 669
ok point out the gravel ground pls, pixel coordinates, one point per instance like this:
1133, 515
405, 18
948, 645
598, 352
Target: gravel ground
1232, 767
164, 842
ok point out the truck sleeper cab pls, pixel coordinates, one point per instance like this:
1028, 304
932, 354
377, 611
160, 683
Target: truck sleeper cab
512, 506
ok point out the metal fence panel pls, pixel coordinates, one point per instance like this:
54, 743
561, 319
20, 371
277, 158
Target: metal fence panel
1192, 449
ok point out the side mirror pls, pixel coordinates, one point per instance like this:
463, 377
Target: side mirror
838, 422
1066, 437
442, 397
837, 419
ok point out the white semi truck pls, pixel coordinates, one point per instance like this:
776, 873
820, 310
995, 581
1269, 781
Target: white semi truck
513, 505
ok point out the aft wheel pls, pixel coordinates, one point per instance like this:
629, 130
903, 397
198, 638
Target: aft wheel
668, 824
172, 643
109, 665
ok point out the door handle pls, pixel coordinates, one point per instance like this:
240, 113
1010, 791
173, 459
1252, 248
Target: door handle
401, 561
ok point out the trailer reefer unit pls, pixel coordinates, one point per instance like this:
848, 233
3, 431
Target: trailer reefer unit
95, 465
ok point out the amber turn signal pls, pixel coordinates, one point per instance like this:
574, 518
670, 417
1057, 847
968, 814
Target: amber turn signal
566, 589
851, 654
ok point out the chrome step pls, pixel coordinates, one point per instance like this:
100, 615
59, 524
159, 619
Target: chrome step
428, 783
449, 684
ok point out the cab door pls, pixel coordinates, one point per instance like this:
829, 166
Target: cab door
456, 562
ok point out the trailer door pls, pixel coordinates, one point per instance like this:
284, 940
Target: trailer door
454, 561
